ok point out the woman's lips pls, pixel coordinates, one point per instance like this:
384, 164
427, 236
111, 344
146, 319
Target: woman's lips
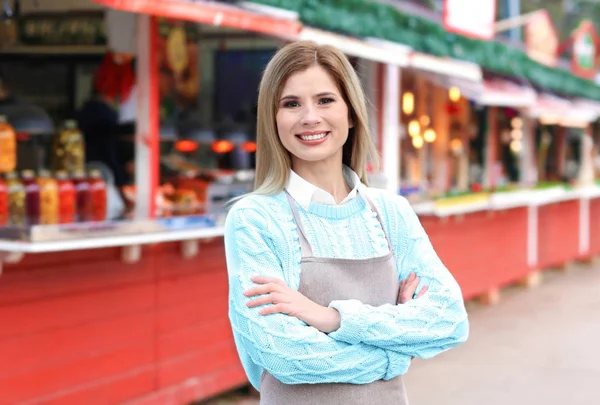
313, 138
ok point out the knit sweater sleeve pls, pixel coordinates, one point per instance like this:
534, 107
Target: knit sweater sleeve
286, 347
423, 327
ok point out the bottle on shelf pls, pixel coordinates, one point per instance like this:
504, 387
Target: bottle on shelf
82, 192
3, 203
32, 197
48, 198
68, 148
98, 196
67, 198
8, 146
17, 206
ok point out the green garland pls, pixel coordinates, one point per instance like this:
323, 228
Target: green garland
365, 18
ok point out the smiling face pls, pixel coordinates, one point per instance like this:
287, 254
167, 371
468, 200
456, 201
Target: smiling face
312, 118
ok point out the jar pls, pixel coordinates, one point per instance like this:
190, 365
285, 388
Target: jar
97, 196
8, 146
67, 198
32, 197
48, 198
68, 149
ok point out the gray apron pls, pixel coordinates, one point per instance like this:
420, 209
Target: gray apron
372, 281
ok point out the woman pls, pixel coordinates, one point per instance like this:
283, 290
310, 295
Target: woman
315, 258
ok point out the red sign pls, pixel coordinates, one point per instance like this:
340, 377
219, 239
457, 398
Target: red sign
470, 18
585, 50
541, 39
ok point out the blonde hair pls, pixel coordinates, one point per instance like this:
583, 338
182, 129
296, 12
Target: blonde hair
273, 161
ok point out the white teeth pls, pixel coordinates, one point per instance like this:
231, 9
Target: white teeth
313, 137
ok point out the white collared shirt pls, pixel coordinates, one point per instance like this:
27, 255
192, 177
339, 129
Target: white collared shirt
304, 192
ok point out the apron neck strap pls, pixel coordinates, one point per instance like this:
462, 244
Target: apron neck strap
304, 245
376, 211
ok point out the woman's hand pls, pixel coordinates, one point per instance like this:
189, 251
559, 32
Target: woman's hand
286, 300
408, 288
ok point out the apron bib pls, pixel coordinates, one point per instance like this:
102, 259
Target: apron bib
372, 281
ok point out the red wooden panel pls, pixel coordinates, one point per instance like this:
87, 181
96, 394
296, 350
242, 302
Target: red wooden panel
169, 262
34, 262
43, 382
196, 337
558, 233
23, 354
47, 281
197, 364
71, 310
107, 392
196, 389
595, 226
482, 250
192, 313
181, 290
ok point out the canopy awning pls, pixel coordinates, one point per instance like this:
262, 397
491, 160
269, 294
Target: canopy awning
446, 66
503, 93
469, 89
258, 20
554, 110
371, 49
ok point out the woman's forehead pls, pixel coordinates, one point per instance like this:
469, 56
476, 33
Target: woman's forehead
311, 81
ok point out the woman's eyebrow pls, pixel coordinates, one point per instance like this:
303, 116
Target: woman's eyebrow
288, 97
292, 97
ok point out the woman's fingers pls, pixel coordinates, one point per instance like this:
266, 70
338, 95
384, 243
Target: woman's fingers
275, 309
273, 298
262, 289
408, 287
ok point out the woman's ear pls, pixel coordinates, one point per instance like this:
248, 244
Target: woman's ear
350, 122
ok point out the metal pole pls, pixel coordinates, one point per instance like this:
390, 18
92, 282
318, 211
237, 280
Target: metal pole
514, 9
147, 120
391, 126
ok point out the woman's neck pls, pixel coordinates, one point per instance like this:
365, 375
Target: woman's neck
327, 177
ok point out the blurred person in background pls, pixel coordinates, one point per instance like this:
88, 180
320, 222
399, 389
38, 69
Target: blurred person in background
334, 286
98, 121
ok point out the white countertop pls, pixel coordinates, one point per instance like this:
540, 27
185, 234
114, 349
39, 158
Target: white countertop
509, 200
112, 241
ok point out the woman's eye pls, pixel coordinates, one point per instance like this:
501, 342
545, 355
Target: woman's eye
291, 104
326, 100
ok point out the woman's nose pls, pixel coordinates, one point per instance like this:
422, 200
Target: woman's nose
310, 116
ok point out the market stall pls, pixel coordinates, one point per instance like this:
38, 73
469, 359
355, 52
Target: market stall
132, 308
135, 309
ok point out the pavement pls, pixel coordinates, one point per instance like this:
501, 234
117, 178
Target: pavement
536, 346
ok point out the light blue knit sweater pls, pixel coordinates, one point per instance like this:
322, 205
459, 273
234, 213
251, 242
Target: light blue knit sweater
372, 343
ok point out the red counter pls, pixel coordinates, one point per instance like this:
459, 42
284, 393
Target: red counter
84, 328
595, 226
558, 233
483, 250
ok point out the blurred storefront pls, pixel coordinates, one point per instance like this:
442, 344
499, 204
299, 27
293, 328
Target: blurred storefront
122, 296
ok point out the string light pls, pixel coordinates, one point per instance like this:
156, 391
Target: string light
517, 123
429, 135
516, 146
454, 94
417, 142
414, 128
408, 103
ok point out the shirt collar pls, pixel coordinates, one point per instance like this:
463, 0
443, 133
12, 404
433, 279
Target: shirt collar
304, 192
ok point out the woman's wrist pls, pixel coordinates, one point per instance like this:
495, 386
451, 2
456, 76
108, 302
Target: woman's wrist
332, 320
